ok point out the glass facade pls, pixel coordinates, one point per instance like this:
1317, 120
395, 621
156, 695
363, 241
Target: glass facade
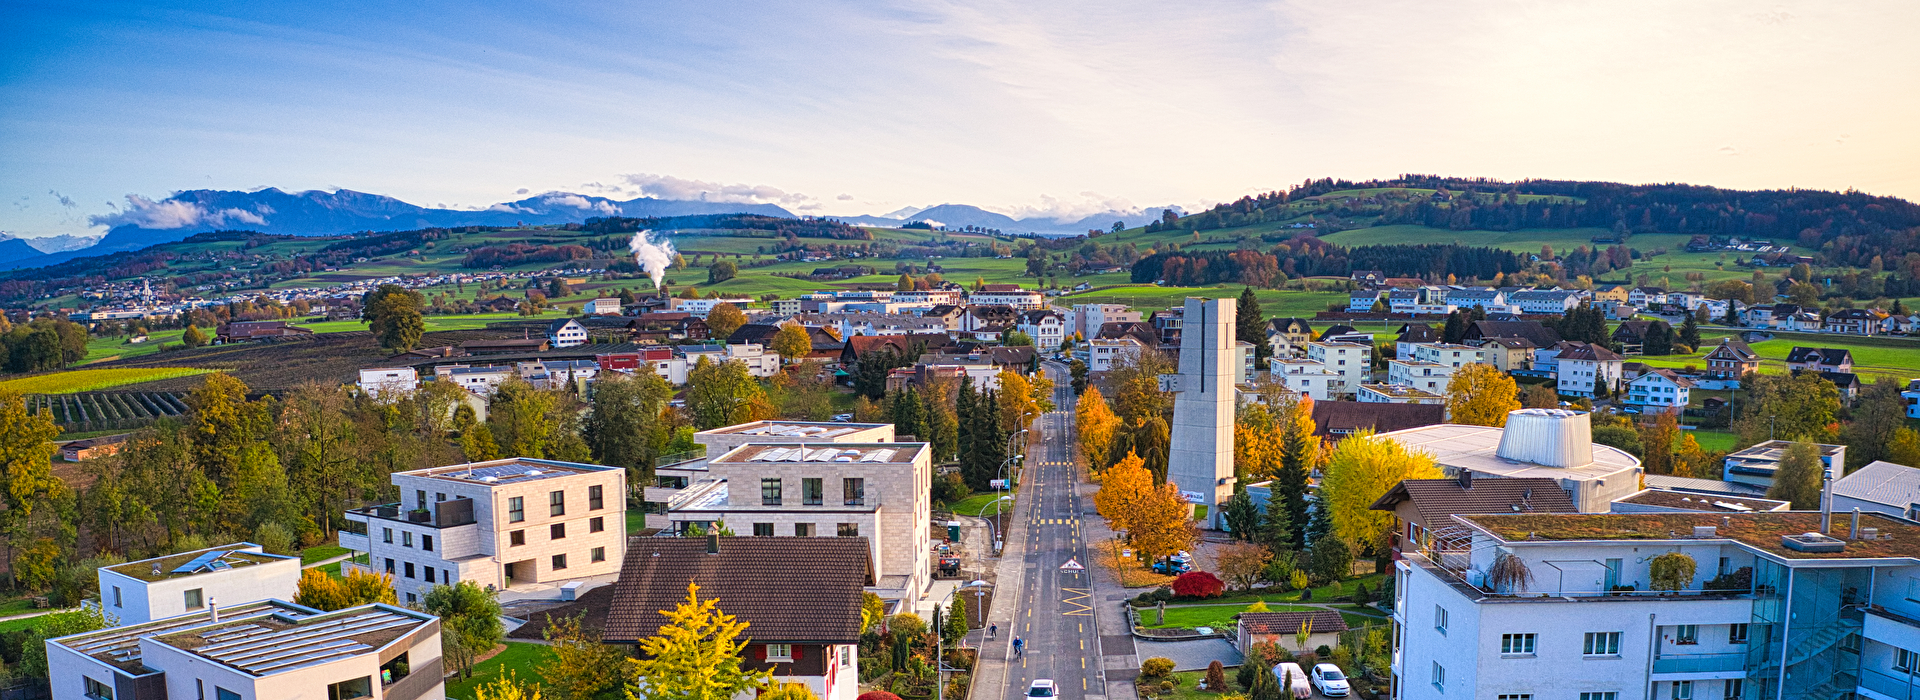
1804, 642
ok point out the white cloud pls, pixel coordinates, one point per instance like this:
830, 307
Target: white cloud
670, 187
575, 201
1069, 210
172, 214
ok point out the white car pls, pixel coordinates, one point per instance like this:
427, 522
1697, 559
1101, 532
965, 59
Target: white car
1295, 680
1328, 679
1042, 688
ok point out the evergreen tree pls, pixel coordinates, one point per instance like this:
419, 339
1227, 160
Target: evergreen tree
1456, 328
1251, 327
1243, 518
1690, 333
942, 426
1659, 340
908, 415
964, 408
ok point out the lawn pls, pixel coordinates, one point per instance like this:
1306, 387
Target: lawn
979, 504
321, 553
1714, 440
1147, 298
1871, 356
17, 624
17, 606
116, 347
520, 658
636, 521
1220, 616
78, 380
1323, 594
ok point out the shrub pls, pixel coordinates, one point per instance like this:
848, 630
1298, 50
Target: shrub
1671, 572
1306, 594
1216, 677
1306, 659
1198, 584
1323, 650
1738, 580
877, 695
1156, 667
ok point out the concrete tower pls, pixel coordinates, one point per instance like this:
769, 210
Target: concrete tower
1200, 460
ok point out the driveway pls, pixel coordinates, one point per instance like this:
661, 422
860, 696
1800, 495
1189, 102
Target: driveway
1190, 655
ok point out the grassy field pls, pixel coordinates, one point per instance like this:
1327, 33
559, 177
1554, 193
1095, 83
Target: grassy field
103, 349
1713, 440
1221, 616
321, 553
72, 381
520, 659
980, 504
1896, 357
1147, 298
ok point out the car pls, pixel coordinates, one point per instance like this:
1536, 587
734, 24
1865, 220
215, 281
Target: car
1042, 688
1328, 679
1289, 673
843, 418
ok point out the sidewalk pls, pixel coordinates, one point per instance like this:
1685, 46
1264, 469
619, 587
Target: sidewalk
1118, 655
991, 674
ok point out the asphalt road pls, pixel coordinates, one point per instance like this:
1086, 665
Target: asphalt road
1055, 614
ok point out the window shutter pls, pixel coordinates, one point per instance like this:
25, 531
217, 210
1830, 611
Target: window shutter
760, 652
796, 652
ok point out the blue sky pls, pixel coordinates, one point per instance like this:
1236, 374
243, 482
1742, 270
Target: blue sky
1062, 108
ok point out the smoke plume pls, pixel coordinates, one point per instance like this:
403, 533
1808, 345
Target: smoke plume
652, 255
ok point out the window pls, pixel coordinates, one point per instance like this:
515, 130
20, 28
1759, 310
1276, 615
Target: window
517, 538
420, 497
1601, 644
1516, 696
438, 497
406, 539
1686, 634
409, 568
1737, 634
195, 600
361, 687
803, 529
559, 562
516, 509
411, 599
96, 689
116, 596
856, 491
597, 525
597, 554
1439, 676
769, 492
1440, 619
763, 529
849, 529
557, 531
557, 503
1904, 660
389, 566
220, 693
1683, 690
1600, 696
812, 492
1516, 644
779, 652
428, 574
386, 535
1733, 688
594, 499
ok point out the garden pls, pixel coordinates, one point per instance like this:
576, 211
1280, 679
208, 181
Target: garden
1198, 599
1361, 653
898, 655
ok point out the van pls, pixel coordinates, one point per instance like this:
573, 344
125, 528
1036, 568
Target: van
1294, 679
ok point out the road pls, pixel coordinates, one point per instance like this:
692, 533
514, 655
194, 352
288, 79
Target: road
1055, 612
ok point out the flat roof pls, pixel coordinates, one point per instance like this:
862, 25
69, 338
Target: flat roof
1776, 450
1400, 390
1709, 503
507, 471
793, 429
1761, 531
842, 452
272, 644
119, 647
202, 561
1473, 447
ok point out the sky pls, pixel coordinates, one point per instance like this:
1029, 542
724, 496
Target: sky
1062, 108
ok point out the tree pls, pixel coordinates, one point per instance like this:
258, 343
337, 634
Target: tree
1078, 371
1481, 394
788, 691
623, 426
954, 628
1539, 396
1157, 519
1878, 413
723, 394
1904, 448
506, 687
1331, 557
1788, 407
1299, 449
1250, 326
1216, 677
1265, 686
695, 655
1241, 515
322, 591
193, 338
1799, 477
469, 622
522, 418
1095, 424
1659, 340
54, 625
1690, 333
1672, 571
721, 271
1361, 469
392, 312
723, 320
908, 413
1656, 443
792, 342
582, 668
1241, 563
26, 463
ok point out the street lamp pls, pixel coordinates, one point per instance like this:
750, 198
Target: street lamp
940, 637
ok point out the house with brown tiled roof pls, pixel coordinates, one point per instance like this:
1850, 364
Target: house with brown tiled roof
800, 597
906, 346
1323, 628
1420, 505
1732, 360
1820, 359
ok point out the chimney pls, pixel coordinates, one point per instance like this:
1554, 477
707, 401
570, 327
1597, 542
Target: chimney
1853, 533
713, 544
1466, 479
213, 609
1549, 437
1826, 503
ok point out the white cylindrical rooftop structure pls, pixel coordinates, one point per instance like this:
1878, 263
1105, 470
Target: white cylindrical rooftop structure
1548, 437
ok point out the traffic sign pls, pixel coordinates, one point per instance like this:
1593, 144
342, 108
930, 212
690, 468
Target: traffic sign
1072, 565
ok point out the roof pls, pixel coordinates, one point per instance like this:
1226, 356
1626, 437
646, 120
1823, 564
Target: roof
1668, 375
900, 344
200, 561
1760, 531
1844, 380
787, 589
1340, 417
1288, 325
1534, 331
1668, 482
1825, 356
1418, 333
120, 646
1738, 349
1509, 343
1632, 330
505, 471
1435, 499
591, 607
1289, 622
1881, 482
1705, 503
868, 453
559, 324
266, 645
1589, 353
1474, 446
793, 428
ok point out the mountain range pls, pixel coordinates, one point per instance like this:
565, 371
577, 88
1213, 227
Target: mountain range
318, 213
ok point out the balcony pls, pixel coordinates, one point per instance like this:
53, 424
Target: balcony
1700, 663
444, 514
356, 541
1883, 686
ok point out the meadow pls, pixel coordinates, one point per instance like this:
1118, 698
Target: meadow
1897, 357
73, 381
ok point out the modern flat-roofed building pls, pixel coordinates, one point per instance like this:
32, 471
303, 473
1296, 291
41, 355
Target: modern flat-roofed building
503, 523
878, 490
1536, 442
177, 584
1352, 361
389, 382
675, 472
264, 650
1398, 393
1755, 465
1779, 606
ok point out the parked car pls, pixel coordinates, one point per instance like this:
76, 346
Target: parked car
842, 417
1042, 688
1328, 679
1291, 673
1171, 567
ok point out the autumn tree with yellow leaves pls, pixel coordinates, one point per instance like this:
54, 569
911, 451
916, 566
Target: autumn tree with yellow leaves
1481, 394
1095, 422
1361, 469
1157, 520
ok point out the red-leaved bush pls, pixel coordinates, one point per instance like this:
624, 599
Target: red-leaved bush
877, 695
1198, 584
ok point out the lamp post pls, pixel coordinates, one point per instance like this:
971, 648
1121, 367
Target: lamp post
941, 669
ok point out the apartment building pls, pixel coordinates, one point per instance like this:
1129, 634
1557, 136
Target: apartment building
1361, 301
1584, 369
1431, 377
1304, 376
1508, 354
178, 584
1779, 606
1397, 393
1452, 355
1102, 354
566, 333
701, 307
1008, 295
1661, 389
1755, 465
1046, 327
760, 361
266, 650
1544, 301
388, 383
1536, 442
880, 491
1352, 361
1086, 319
675, 472
501, 523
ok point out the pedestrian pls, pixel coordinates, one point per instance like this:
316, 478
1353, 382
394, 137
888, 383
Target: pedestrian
992, 631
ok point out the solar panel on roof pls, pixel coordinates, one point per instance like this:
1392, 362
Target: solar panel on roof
205, 559
821, 455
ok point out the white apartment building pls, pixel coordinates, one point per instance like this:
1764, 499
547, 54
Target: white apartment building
1536, 442
501, 523
1102, 354
1879, 486
1397, 393
1582, 370
1779, 607
479, 380
1911, 395
1008, 295
1362, 301
1755, 465
1045, 327
603, 305
1453, 355
880, 491
1660, 388
675, 472
1086, 319
1431, 377
1352, 361
785, 307
267, 650
760, 361
1304, 376
177, 584
701, 307
1544, 301
566, 333
388, 383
